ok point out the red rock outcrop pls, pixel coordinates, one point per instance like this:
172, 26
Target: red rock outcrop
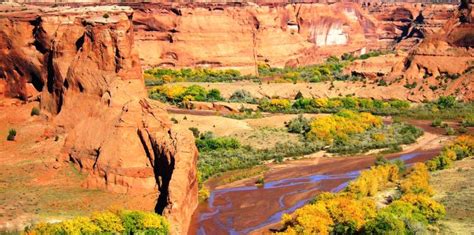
84, 64
244, 35
443, 63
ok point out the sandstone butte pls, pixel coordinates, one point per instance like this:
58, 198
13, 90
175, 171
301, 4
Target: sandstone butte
86, 70
88, 76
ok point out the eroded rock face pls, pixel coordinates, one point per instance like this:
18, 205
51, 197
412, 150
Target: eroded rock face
85, 68
443, 62
243, 36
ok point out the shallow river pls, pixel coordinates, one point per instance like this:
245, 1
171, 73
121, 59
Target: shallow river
247, 208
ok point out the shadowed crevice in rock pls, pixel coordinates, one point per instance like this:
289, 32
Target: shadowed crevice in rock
163, 171
42, 42
80, 42
54, 82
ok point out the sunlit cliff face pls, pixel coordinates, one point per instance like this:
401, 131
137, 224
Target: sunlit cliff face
327, 34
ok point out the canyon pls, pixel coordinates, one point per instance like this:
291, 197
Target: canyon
83, 65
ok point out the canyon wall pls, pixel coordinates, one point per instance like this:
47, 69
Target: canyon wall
83, 67
444, 61
241, 35
245, 35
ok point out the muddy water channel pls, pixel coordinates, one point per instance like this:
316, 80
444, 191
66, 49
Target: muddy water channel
243, 208
246, 208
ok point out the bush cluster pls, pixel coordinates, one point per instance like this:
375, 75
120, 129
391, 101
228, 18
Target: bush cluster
341, 125
208, 142
460, 148
242, 96
349, 133
374, 53
445, 108
220, 154
371, 181
333, 105
330, 70
177, 94
215, 161
120, 222
299, 125
468, 121
417, 181
162, 75
353, 211
245, 114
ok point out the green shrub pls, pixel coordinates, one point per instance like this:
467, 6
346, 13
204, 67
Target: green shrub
195, 131
446, 102
242, 96
213, 162
450, 131
428, 207
334, 105
468, 121
299, 95
35, 111
400, 165
410, 85
348, 56
436, 122
431, 111
439, 163
462, 130
380, 160
165, 75
245, 114
405, 211
177, 94
174, 120
299, 125
393, 148
11, 135
207, 142
397, 218
214, 95
385, 223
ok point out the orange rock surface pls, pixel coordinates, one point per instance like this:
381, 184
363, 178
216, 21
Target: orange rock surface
86, 70
242, 36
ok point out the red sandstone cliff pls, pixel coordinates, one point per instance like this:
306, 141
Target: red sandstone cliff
241, 36
83, 66
443, 62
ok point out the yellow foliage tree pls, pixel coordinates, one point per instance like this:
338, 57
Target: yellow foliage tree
371, 181
320, 102
417, 181
281, 103
430, 208
341, 125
